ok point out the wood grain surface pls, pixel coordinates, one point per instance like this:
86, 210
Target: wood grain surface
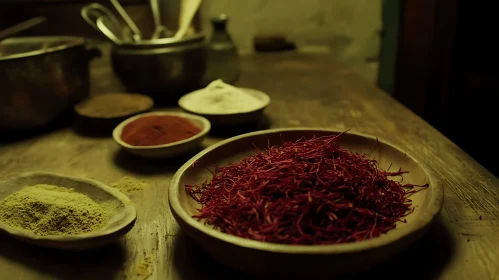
306, 90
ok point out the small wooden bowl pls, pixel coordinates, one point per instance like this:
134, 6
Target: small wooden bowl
292, 261
104, 123
121, 220
140, 102
166, 150
231, 119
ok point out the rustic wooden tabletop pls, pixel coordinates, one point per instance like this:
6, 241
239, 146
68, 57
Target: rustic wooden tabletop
306, 90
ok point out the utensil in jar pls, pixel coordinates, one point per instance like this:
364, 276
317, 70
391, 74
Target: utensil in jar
20, 27
188, 9
92, 12
136, 34
104, 25
161, 31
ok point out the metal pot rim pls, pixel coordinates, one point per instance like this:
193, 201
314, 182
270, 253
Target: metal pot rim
164, 42
66, 42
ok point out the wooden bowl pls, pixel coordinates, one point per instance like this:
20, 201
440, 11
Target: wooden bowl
102, 122
231, 119
286, 261
122, 218
166, 150
135, 103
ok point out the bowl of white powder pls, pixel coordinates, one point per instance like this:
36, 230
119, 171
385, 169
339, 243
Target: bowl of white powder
225, 105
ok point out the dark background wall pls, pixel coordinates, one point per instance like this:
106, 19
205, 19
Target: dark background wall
439, 58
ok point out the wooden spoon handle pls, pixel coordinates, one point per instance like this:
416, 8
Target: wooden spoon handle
188, 9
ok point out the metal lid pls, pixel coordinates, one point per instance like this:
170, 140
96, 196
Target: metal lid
19, 47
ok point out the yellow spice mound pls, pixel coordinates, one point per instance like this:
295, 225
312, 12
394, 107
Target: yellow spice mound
52, 210
128, 185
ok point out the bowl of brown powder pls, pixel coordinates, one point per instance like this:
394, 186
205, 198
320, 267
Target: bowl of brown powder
114, 105
101, 113
63, 212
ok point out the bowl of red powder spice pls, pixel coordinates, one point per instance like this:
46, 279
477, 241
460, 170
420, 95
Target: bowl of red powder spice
161, 134
304, 202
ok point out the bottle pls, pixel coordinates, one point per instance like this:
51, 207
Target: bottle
223, 57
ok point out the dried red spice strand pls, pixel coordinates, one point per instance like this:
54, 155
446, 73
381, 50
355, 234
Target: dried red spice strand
306, 192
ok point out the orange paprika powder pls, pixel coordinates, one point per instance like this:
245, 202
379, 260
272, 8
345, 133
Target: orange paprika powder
158, 130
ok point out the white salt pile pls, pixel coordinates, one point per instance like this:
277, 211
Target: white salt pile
221, 98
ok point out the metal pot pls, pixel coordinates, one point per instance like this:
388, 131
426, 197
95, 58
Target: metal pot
41, 78
161, 68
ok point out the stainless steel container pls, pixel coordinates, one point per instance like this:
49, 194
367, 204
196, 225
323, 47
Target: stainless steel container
41, 78
163, 68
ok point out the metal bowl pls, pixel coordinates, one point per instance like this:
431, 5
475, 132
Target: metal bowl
163, 67
41, 78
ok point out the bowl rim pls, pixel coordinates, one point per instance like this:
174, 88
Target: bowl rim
66, 42
198, 37
265, 104
206, 126
434, 206
129, 207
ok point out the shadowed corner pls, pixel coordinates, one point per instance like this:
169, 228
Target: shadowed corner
100, 263
94, 128
430, 254
165, 101
230, 131
64, 120
192, 262
144, 166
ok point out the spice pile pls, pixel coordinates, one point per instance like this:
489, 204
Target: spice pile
52, 210
220, 98
307, 192
158, 130
112, 105
143, 270
128, 185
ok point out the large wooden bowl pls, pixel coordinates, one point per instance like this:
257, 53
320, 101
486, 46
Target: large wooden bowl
300, 260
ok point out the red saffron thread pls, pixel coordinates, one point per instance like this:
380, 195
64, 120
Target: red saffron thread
306, 192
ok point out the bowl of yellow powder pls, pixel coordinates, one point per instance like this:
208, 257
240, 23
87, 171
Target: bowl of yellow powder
63, 212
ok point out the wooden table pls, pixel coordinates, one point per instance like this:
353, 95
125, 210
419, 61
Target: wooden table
306, 90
